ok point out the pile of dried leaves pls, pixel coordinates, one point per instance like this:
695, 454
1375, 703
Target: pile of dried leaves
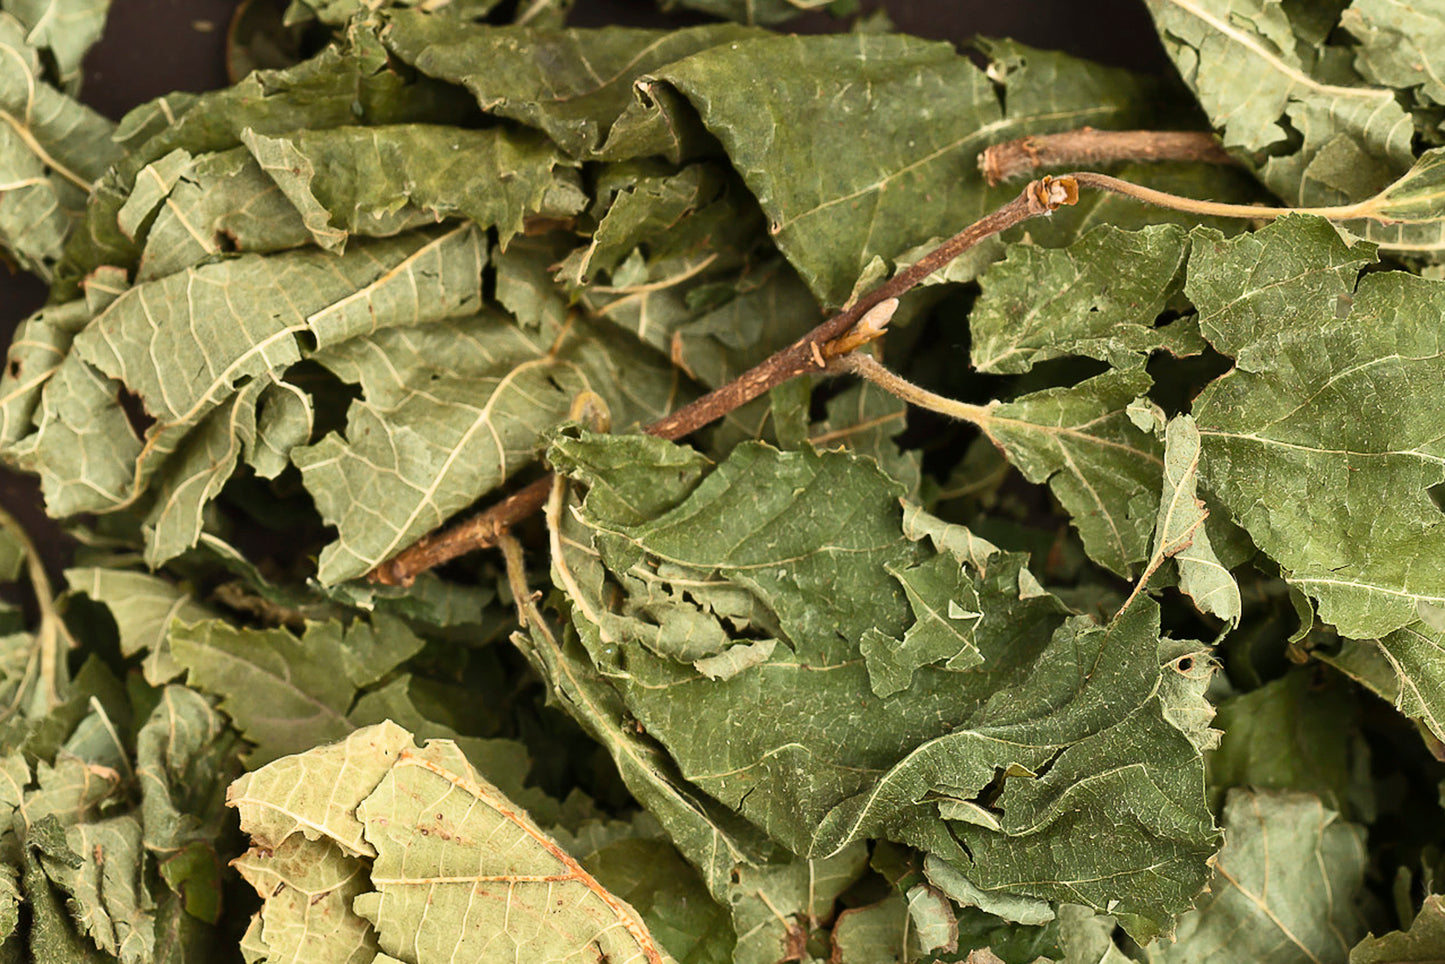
1142, 660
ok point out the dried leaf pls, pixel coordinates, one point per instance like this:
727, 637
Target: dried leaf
1101, 467
1285, 887
420, 826
1257, 83
1422, 942
778, 756
1315, 442
1099, 298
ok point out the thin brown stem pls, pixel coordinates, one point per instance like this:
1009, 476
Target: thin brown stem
816, 351
1088, 147
810, 354
1164, 199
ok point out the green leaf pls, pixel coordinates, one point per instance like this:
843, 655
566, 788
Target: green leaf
652, 877
1259, 84
762, 12
52, 148
944, 600
710, 836
1398, 45
338, 12
179, 345
1407, 216
1179, 533
1105, 471
222, 201
1422, 943
962, 891
107, 895
1405, 668
52, 936
39, 344
866, 419
578, 87
1099, 297
344, 84
380, 180
307, 888
1315, 442
774, 906
285, 693
188, 754
875, 175
449, 412
875, 932
65, 29
647, 207
787, 754
143, 607
1299, 733
1294, 274
1285, 889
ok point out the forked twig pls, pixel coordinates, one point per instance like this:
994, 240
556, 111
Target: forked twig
815, 352
810, 354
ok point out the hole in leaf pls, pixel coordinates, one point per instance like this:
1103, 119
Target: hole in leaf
330, 396
226, 241
14, 368
136, 415
1436, 493
1168, 317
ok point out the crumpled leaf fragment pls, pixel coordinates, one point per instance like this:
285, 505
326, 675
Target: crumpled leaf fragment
181, 346
307, 888
347, 83
775, 908
380, 180
592, 95
773, 755
1259, 84
439, 861
944, 601
1099, 297
1179, 533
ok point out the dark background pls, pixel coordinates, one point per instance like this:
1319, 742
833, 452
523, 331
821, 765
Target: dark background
151, 47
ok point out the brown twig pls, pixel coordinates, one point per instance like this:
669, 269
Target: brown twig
1089, 148
809, 354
